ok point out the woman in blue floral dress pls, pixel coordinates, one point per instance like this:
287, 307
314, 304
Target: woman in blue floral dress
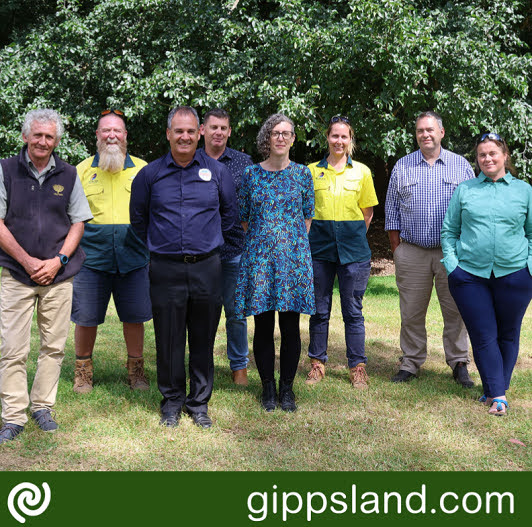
276, 208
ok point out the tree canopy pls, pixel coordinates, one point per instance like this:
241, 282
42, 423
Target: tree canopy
379, 62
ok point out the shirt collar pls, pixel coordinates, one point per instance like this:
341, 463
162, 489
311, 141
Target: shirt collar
49, 166
225, 154
507, 178
128, 162
195, 160
443, 157
324, 163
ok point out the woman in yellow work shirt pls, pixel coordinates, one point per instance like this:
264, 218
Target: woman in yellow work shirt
344, 201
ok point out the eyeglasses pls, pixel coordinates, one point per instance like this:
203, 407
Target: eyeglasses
285, 134
491, 136
112, 110
339, 118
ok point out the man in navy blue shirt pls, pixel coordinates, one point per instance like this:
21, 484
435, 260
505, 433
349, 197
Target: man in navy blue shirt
181, 204
216, 130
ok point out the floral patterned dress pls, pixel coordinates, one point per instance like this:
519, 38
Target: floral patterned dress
276, 265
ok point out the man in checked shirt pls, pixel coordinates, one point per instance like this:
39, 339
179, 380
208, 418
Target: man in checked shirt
420, 188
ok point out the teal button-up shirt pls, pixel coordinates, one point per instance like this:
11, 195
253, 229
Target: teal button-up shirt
488, 227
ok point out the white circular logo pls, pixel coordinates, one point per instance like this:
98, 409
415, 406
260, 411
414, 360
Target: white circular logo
28, 495
205, 174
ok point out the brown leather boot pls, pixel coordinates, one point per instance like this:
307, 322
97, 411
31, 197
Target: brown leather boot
358, 376
317, 372
83, 376
136, 378
240, 377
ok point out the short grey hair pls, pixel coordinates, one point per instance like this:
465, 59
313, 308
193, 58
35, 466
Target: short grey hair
265, 132
44, 115
181, 109
432, 114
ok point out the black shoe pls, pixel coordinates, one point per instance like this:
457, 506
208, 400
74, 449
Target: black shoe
287, 399
44, 420
269, 396
170, 419
461, 375
9, 431
403, 376
200, 419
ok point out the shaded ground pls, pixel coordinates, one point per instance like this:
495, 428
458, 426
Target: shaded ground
381, 255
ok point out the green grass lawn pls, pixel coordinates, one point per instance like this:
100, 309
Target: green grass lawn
429, 424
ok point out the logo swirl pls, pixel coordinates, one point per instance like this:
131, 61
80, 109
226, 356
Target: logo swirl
27, 494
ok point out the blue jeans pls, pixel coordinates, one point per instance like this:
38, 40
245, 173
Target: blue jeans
493, 310
352, 280
236, 329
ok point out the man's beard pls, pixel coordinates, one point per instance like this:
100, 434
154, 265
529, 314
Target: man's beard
112, 155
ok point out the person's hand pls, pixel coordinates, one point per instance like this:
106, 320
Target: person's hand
46, 274
32, 265
394, 245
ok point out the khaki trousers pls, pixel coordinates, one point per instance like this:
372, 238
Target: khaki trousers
17, 303
417, 270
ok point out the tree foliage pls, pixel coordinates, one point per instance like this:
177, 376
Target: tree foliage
380, 62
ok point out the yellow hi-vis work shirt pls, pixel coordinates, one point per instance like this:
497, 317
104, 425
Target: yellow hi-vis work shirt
338, 230
109, 242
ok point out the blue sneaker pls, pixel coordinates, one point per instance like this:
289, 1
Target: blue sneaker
9, 431
44, 420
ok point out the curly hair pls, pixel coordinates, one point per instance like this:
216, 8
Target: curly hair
43, 116
265, 132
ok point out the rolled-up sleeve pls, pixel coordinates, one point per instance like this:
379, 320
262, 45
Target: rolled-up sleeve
391, 207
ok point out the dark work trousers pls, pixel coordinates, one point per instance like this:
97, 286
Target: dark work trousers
185, 297
493, 310
264, 347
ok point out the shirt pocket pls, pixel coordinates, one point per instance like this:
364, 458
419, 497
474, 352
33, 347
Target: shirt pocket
204, 193
322, 199
406, 188
351, 196
96, 198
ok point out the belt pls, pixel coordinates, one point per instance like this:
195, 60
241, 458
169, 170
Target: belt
187, 258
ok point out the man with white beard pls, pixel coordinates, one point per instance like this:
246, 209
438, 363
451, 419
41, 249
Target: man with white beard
117, 260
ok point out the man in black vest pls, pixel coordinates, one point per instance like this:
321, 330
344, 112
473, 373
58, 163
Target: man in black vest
42, 214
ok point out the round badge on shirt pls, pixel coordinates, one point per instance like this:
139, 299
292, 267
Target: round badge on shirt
205, 174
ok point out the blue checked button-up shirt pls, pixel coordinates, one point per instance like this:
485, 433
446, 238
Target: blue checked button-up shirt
236, 162
419, 194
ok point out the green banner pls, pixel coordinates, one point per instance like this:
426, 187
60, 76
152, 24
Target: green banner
269, 498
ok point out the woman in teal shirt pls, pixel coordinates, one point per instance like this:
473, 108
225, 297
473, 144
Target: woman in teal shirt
487, 247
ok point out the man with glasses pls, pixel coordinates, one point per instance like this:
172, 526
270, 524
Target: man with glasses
420, 188
42, 211
182, 205
117, 260
216, 130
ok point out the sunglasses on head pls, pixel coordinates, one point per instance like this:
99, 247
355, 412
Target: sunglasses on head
490, 136
112, 110
339, 118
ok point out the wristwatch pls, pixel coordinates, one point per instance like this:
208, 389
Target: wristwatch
63, 258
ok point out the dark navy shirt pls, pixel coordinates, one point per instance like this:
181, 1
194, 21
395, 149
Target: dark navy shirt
183, 210
236, 162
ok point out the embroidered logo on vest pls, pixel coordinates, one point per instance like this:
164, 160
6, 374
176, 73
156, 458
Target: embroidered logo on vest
58, 190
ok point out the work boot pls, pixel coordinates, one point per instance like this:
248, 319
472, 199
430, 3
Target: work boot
83, 376
358, 376
269, 396
287, 399
240, 377
461, 375
136, 378
317, 372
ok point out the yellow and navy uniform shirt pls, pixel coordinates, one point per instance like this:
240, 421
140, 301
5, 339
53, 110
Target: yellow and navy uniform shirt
338, 230
109, 242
